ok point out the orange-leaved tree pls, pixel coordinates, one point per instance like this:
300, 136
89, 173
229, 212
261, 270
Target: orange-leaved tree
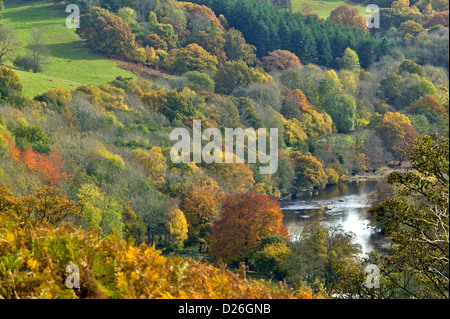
50, 166
430, 103
245, 219
295, 104
349, 16
280, 60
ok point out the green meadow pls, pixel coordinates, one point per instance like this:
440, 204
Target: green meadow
323, 8
72, 63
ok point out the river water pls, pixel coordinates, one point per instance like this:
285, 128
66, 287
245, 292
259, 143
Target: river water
344, 204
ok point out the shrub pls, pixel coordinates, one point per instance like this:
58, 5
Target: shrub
10, 87
111, 159
56, 96
270, 259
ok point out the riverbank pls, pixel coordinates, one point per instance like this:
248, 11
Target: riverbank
367, 177
380, 175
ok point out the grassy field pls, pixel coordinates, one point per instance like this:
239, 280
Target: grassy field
71, 62
324, 7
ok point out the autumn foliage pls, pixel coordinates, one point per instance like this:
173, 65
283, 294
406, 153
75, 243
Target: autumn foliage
309, 170
348, 16
33, 260
192, 58
50, 167
441, 18
280, 60
107, 32
153, 162
14, 151
397, 131
245, 219
48, 205
200, 207
108, 146
194, 10
430, 103
297, 101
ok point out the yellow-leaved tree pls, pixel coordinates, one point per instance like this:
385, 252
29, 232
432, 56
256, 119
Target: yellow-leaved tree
154, 163
178, 226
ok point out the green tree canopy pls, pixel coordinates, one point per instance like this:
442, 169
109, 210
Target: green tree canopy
417, 220
232, 75
349, 61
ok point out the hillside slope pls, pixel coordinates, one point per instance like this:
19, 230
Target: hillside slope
71, 63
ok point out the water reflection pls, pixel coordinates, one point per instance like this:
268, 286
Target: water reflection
344, 204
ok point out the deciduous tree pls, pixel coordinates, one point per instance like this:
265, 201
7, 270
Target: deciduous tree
309, 171
411, 67
178, 226
8, 43
245, 219
410, 27
153, 162
237, 177
270, 259
192, 58
440, 18
349, 61
398, 133
295, 104
200, 208
102, 214
232, 75
27, 135
47, 205
280, 60
10, 87
133, 226
430, 103
348, 16
417, 220
237, 49
213, 42
107, 32
38, 51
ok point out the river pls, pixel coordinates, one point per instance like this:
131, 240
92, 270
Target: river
344, 204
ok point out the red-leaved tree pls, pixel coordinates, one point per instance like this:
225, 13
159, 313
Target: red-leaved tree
245, 219
50, 166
